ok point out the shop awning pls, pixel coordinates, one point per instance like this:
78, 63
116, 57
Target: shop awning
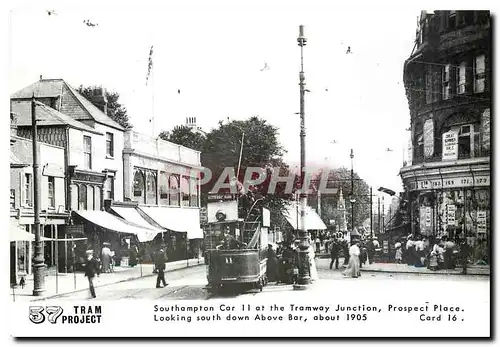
111, 222
184, 220
313, 220
16, 233
131, 214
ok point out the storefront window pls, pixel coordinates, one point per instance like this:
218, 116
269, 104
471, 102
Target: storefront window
174, 190
193, 192
185, 190
82, 197
151, 188
163, 185
139, 193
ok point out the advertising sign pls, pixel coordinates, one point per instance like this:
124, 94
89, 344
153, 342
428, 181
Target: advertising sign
481, 222
425, 220
450, 214
429, 138
450, 145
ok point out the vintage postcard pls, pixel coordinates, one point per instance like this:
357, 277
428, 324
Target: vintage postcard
266, 169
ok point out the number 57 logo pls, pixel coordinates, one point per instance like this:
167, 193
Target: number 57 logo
52, 313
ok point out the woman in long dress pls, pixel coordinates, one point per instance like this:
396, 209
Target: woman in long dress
353, 266
312, 264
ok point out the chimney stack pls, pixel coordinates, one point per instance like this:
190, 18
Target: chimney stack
100, 96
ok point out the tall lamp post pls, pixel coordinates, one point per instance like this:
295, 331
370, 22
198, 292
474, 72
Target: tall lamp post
304, 278
38, 263
352, 198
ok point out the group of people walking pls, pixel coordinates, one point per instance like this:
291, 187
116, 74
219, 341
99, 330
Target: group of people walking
283, 264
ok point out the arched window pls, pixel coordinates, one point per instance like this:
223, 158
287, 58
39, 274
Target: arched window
90, 198
164, 185
151, 188
82, 197
174, 190
139, 187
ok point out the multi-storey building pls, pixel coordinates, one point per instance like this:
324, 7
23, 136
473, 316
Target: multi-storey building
53, 212
448, 85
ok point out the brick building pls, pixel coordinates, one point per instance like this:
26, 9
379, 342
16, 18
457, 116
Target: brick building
448, 85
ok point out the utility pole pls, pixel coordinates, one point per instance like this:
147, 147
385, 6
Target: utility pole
371, 213
304, 278
352, 199
38, 263
379, 215
383, 215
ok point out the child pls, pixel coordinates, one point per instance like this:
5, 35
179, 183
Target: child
399, 255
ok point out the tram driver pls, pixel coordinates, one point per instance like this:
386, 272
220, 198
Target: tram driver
229, 242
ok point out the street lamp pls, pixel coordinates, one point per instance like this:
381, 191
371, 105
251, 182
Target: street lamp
304, 278
38, 266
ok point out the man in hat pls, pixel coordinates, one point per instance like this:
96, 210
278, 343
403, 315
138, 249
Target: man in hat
272, 265
91, 270
160, 260
334, 253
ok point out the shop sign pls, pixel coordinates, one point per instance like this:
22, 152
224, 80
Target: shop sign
203, 215
450, 215
481, 222
385, 247
450, 145
478, 181
221, 197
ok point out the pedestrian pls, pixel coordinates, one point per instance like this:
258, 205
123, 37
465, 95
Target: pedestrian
449, 246
370, 248
345, 251
410, 251
91, 270
313, 271
399, 254
353, 266
334, 253
272, 265
106, 257
160, 260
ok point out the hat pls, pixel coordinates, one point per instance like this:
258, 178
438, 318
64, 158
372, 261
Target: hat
90, 251
106, 244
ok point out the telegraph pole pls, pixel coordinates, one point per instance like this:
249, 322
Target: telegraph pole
371, 213
353, 200
304, 278
38, 262
379, 215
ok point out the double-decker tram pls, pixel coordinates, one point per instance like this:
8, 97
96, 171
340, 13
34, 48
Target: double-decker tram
236, 255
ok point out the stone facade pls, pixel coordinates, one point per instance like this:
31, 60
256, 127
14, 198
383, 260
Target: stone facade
448, 86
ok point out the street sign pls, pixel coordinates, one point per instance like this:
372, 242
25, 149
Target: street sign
221, 197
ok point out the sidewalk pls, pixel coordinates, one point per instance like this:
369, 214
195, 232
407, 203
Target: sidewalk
65, 283
477, 270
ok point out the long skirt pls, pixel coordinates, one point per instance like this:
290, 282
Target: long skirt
353, 267
106, 260
312, 269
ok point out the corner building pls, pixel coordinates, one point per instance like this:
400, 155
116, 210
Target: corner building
448, 86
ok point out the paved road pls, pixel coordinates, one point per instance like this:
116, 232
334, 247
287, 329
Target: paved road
190, 284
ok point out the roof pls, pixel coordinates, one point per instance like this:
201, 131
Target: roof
46, 116
47, 88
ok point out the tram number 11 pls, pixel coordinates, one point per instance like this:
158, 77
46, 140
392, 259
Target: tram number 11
358, 316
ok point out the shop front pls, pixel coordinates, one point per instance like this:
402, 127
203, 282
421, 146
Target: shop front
452, 201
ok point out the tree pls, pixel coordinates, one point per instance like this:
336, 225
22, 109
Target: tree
261, 148
114, 109
184, 136
341, 178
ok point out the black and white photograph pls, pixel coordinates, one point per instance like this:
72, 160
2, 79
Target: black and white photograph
195, 169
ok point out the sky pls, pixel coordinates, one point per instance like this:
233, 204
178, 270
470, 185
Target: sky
213, 53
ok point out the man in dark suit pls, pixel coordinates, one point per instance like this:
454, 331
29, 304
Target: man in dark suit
92, 268
160, 260
334, 253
